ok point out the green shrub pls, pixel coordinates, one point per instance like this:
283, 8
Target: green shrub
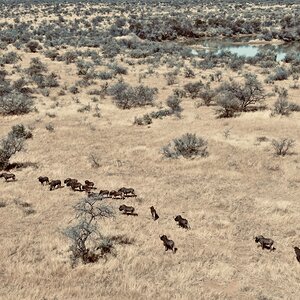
126, 97
15, 103
188, 145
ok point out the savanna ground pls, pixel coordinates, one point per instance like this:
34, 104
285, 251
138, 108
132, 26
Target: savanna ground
240, 190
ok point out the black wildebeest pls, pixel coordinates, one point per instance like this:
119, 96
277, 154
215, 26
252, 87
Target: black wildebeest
8, 176
297, 251
264, 242
43, 179
116, 195
76, 186
128, 210
104, 193
86, 188
155, 216
70, 181
169, 244
182, 222
55, 184
128, 192
89, 183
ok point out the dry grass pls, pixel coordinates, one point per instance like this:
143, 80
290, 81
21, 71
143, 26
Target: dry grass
239, 191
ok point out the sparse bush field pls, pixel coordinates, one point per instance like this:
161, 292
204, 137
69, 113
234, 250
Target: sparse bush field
80, 77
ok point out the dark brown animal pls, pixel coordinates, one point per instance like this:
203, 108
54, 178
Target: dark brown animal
169, 244
128, 210
297, 252
153, 213
86, 188
116, 195
76, 186
128, 192
70, 181
182, 222
8, 176
43, 179
265, 243
104, 193
55, 184
89, 183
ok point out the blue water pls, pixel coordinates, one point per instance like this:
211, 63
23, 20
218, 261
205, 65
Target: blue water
246, 50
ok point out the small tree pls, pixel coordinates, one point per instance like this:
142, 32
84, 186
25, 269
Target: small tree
13, 143
249, 93
283, 145
33, 46
174, 103
85, 235
228, 105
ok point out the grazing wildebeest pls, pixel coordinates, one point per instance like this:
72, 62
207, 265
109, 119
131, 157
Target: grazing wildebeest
55, 184
43, 179
128, 210
182, 222
89, 183
104, 193
153, 213
128, 192
116, 195
264, 242
8, 176
297, 251
169, 244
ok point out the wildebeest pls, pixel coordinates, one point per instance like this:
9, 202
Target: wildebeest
182, 222
264, 242
128, 192
55, 184
104, 193
76, 186
169, 244
86, 188
128, 210
153, 213
89, 183
43, 179
8, 176
70, 181
116, 195
297, 251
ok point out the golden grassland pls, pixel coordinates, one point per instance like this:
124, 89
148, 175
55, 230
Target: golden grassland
240, 190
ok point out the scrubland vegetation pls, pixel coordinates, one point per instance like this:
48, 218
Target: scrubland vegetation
124, 93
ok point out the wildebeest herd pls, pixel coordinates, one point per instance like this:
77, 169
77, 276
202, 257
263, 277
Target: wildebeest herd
122, 193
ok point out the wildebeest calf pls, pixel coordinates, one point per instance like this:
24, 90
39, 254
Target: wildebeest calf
128, 210
264, 242
169, 244
8, 176
153, 213
182, 222
55, 184
43, 179
297, 251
